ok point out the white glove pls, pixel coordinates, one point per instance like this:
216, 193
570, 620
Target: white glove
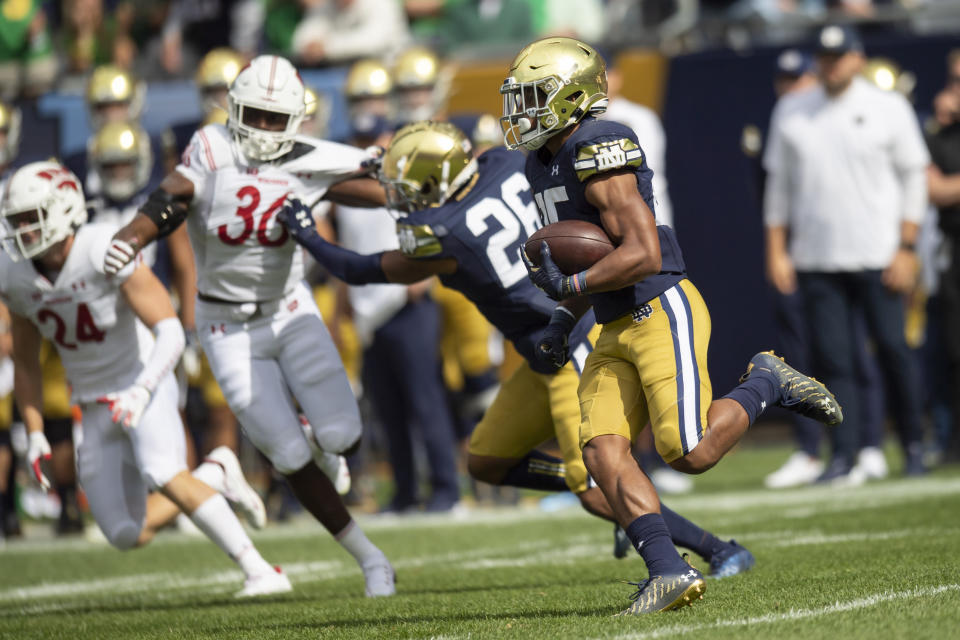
192, 354
38, 449
127, 406
119, 254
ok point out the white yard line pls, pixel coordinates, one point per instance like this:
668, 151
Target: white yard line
865, 602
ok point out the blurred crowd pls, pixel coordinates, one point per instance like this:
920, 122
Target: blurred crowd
423, 362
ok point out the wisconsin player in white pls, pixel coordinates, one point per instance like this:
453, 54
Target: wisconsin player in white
257, 321
119, 339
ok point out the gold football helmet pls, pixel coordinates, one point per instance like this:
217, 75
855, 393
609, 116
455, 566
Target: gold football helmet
10, 126
216, 115
215, 74
368, 79
425, 164
113, 94
317, 116
416, 67
422, 84
120, 155
553, 83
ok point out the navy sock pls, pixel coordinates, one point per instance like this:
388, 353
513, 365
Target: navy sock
759, 391
651, 538
538, 471
689, 536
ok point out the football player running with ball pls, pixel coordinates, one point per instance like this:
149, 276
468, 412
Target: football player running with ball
257, 322
119, 339
464, 220
650, 361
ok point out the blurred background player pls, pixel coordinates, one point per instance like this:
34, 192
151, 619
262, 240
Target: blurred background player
120, 339
9, 139
421, 85
369, 93
262, 333
8, 508
399, 327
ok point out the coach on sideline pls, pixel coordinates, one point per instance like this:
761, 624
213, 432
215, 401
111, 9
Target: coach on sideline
845, 195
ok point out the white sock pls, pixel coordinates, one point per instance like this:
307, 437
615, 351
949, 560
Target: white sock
215, 518
356, 542
210, 474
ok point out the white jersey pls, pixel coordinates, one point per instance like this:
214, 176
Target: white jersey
101, 342
243, 254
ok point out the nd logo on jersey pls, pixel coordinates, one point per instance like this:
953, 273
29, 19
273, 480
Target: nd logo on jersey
610, 157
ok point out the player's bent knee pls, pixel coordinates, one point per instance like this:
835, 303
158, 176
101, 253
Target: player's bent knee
487, 469
694, 462
290, 459
124, 536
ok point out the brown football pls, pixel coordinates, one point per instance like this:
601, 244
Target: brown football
575, 245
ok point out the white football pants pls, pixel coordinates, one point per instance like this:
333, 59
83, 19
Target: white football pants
259, 354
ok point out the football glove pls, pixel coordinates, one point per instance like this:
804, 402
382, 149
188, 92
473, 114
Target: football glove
127, 406
192, 353
549, 278
119, 254
298, 219
38, 449
553, 348
375, 159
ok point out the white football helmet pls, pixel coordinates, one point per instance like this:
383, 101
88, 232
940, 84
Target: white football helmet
266, 106
43, 204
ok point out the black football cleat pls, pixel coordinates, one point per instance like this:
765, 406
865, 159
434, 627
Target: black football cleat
664, 593
732, 560
798, 393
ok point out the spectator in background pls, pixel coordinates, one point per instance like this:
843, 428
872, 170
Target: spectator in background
338, 31
28, 66
95, 35
943, 180
845, 185
194, 28
580, 19
477, 23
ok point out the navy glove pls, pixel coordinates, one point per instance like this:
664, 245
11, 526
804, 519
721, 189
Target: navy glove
298, 219
553, 348
550, 279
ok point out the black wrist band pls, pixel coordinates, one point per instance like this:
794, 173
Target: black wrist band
908, 246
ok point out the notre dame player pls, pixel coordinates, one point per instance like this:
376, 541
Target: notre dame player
649, 362
464, 221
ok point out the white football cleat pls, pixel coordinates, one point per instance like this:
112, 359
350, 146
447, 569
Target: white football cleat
380, 578
872, 463
237, 490
333, 466
799, 469
265, 584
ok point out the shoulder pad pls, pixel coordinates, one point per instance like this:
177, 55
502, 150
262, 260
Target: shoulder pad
419, 240
605, 156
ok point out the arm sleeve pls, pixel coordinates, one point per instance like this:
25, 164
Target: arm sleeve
351, 267
169, 344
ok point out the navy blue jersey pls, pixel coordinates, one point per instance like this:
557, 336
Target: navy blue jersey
559, 187
483, 231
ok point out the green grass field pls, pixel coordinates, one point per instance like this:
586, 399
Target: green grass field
879, 561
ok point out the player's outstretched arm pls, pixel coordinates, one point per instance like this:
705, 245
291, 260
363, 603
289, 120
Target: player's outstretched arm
28, 391
355, 268
160, 215
149, 300
632, 228
363, 191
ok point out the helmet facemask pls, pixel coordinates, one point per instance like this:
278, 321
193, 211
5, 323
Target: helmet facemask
534, 111
261, 134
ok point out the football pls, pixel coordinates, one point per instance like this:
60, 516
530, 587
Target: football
575, 245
